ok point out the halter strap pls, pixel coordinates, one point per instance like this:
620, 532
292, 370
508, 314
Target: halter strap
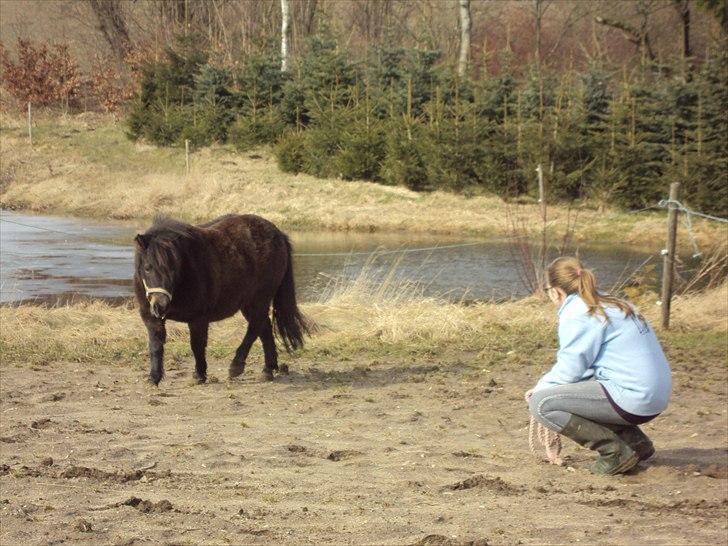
155, 290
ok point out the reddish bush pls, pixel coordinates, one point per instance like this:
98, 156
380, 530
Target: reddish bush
110, 87
44, 74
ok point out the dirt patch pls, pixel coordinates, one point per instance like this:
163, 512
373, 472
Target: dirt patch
55, 397
342, 454
361, 451
82, 526
149, 507
441, 540
46, 468
467, 455
96, 474
41, 424
494, 484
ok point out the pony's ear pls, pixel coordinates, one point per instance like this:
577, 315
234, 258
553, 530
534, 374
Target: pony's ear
141, 241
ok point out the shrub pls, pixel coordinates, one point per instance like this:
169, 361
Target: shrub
404, 163
165, 106
212, 85
321, 145
248, 132
209, 124
261, 82
44, 75
109, 86
361, 153
290, 151
456, 155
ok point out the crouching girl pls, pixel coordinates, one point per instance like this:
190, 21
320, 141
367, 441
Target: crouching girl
610, 374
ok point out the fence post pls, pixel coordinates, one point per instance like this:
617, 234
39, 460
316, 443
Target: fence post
541, 196
542, 201
30, 126
187, 157
668, 266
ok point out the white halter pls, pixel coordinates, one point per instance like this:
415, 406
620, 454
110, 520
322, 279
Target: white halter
155, 290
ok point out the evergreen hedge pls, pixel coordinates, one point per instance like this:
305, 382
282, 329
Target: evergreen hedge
400, 119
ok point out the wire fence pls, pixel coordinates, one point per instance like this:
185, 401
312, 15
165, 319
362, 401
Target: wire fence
687, 219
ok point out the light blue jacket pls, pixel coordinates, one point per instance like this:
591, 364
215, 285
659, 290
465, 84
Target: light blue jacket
622, 353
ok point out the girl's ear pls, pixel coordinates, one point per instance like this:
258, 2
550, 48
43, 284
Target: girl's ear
556, 295
141, 241
562, 295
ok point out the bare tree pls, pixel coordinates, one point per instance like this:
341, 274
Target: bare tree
638, 35
465, 27
539, 10
285, 34
719, 9
370, 18
112, 24
683, 10
303, 19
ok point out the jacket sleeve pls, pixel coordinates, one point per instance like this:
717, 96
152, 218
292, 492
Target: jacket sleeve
580, 340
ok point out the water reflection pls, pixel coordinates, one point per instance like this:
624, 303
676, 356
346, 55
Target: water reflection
46, 258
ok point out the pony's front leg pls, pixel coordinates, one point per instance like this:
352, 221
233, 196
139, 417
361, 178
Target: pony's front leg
198, 341
157, 337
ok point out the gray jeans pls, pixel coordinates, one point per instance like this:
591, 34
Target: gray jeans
554, 406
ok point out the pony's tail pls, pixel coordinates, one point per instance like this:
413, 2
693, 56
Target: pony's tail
291, 325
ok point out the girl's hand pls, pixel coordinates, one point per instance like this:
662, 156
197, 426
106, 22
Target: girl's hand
528, 394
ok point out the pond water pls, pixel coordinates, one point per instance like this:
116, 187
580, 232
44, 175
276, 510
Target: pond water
57, 259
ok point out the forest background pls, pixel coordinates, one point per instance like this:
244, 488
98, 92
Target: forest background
614, 99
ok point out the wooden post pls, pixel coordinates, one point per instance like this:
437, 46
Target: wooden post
30, 126
541, 196
542, 200
187, 156
668, 267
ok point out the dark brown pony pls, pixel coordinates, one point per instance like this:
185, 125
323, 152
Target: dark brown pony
201, 274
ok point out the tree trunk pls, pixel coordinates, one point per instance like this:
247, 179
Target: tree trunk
112, 25
285, 34
683, 9
464, 38
538, 12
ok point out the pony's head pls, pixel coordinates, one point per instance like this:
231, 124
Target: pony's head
158, 263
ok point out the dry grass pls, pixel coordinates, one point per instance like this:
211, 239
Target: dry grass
356, 316
707, 311
84, 165
394, 311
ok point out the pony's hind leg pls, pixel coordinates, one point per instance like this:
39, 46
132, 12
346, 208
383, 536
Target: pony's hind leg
237, 366
198, 342
269, 349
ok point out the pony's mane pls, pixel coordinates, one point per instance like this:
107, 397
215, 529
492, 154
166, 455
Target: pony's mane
162, 242
168, 228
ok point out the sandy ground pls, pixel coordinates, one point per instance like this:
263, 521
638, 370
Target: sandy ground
362, 451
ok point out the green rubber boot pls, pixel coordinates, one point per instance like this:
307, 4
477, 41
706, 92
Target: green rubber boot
615, 456
635, 438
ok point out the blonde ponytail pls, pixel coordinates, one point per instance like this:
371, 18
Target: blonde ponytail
568, 274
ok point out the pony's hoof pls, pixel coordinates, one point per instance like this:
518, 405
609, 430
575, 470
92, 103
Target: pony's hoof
268, 375
199, 379
283, 369
235, 371
153, 381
